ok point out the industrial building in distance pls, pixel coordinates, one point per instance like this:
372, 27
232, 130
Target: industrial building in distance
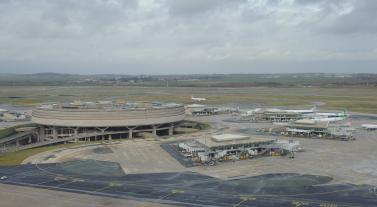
102, 120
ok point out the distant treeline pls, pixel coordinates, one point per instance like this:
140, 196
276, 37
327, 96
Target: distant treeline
195, 80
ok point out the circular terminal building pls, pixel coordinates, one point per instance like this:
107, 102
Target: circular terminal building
105, 120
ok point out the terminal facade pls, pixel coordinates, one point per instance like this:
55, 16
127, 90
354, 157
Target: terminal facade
106, 120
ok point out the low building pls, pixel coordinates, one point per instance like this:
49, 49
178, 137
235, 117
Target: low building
312, 128
2, 111
273, 115
203, 110
200, 110
13, 116
234, 147
207, 111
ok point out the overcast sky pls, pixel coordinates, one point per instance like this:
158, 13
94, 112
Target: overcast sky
188, 36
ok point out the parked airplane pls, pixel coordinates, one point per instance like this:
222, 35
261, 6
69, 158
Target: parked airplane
369, 126
198, 99
250, 112
302, 111
307, 114
329, 116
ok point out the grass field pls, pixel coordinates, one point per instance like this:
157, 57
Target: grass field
15, 158
193, 80
353, 98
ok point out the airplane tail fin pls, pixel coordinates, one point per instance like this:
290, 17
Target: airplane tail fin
345, 112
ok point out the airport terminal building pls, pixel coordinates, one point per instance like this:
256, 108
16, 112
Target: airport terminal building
105, 120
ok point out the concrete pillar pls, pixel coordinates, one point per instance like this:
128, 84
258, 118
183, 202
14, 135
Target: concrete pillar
29, 140
171, 128
41, 134
130, 136
110, 138
154, 130
76, 134
102, 131
54, 133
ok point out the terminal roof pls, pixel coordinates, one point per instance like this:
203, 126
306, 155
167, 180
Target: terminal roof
231, 139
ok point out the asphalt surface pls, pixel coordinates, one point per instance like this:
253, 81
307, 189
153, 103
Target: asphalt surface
188, 188
17, 196
172, 149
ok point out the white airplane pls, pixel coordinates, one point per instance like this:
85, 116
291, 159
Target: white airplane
369, 126
302, 111
251, 112
198, 99
329, 116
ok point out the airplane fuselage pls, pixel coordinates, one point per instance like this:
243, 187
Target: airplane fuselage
198, 99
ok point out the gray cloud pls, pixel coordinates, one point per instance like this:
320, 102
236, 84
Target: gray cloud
194, 7
362, 19
183, 36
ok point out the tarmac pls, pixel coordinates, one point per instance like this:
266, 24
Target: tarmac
345, 161
140, 169
16, 195
186, 188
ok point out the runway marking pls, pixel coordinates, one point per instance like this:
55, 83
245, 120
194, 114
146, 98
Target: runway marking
115, 184
105, 166
245, 199
299, 203
57, 174
29, 172
48, 181
60, 185
328, 205
175, 191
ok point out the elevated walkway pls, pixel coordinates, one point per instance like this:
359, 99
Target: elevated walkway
65, 138
59, 140
15, 137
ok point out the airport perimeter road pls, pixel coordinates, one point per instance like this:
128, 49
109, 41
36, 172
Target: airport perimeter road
15, 196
